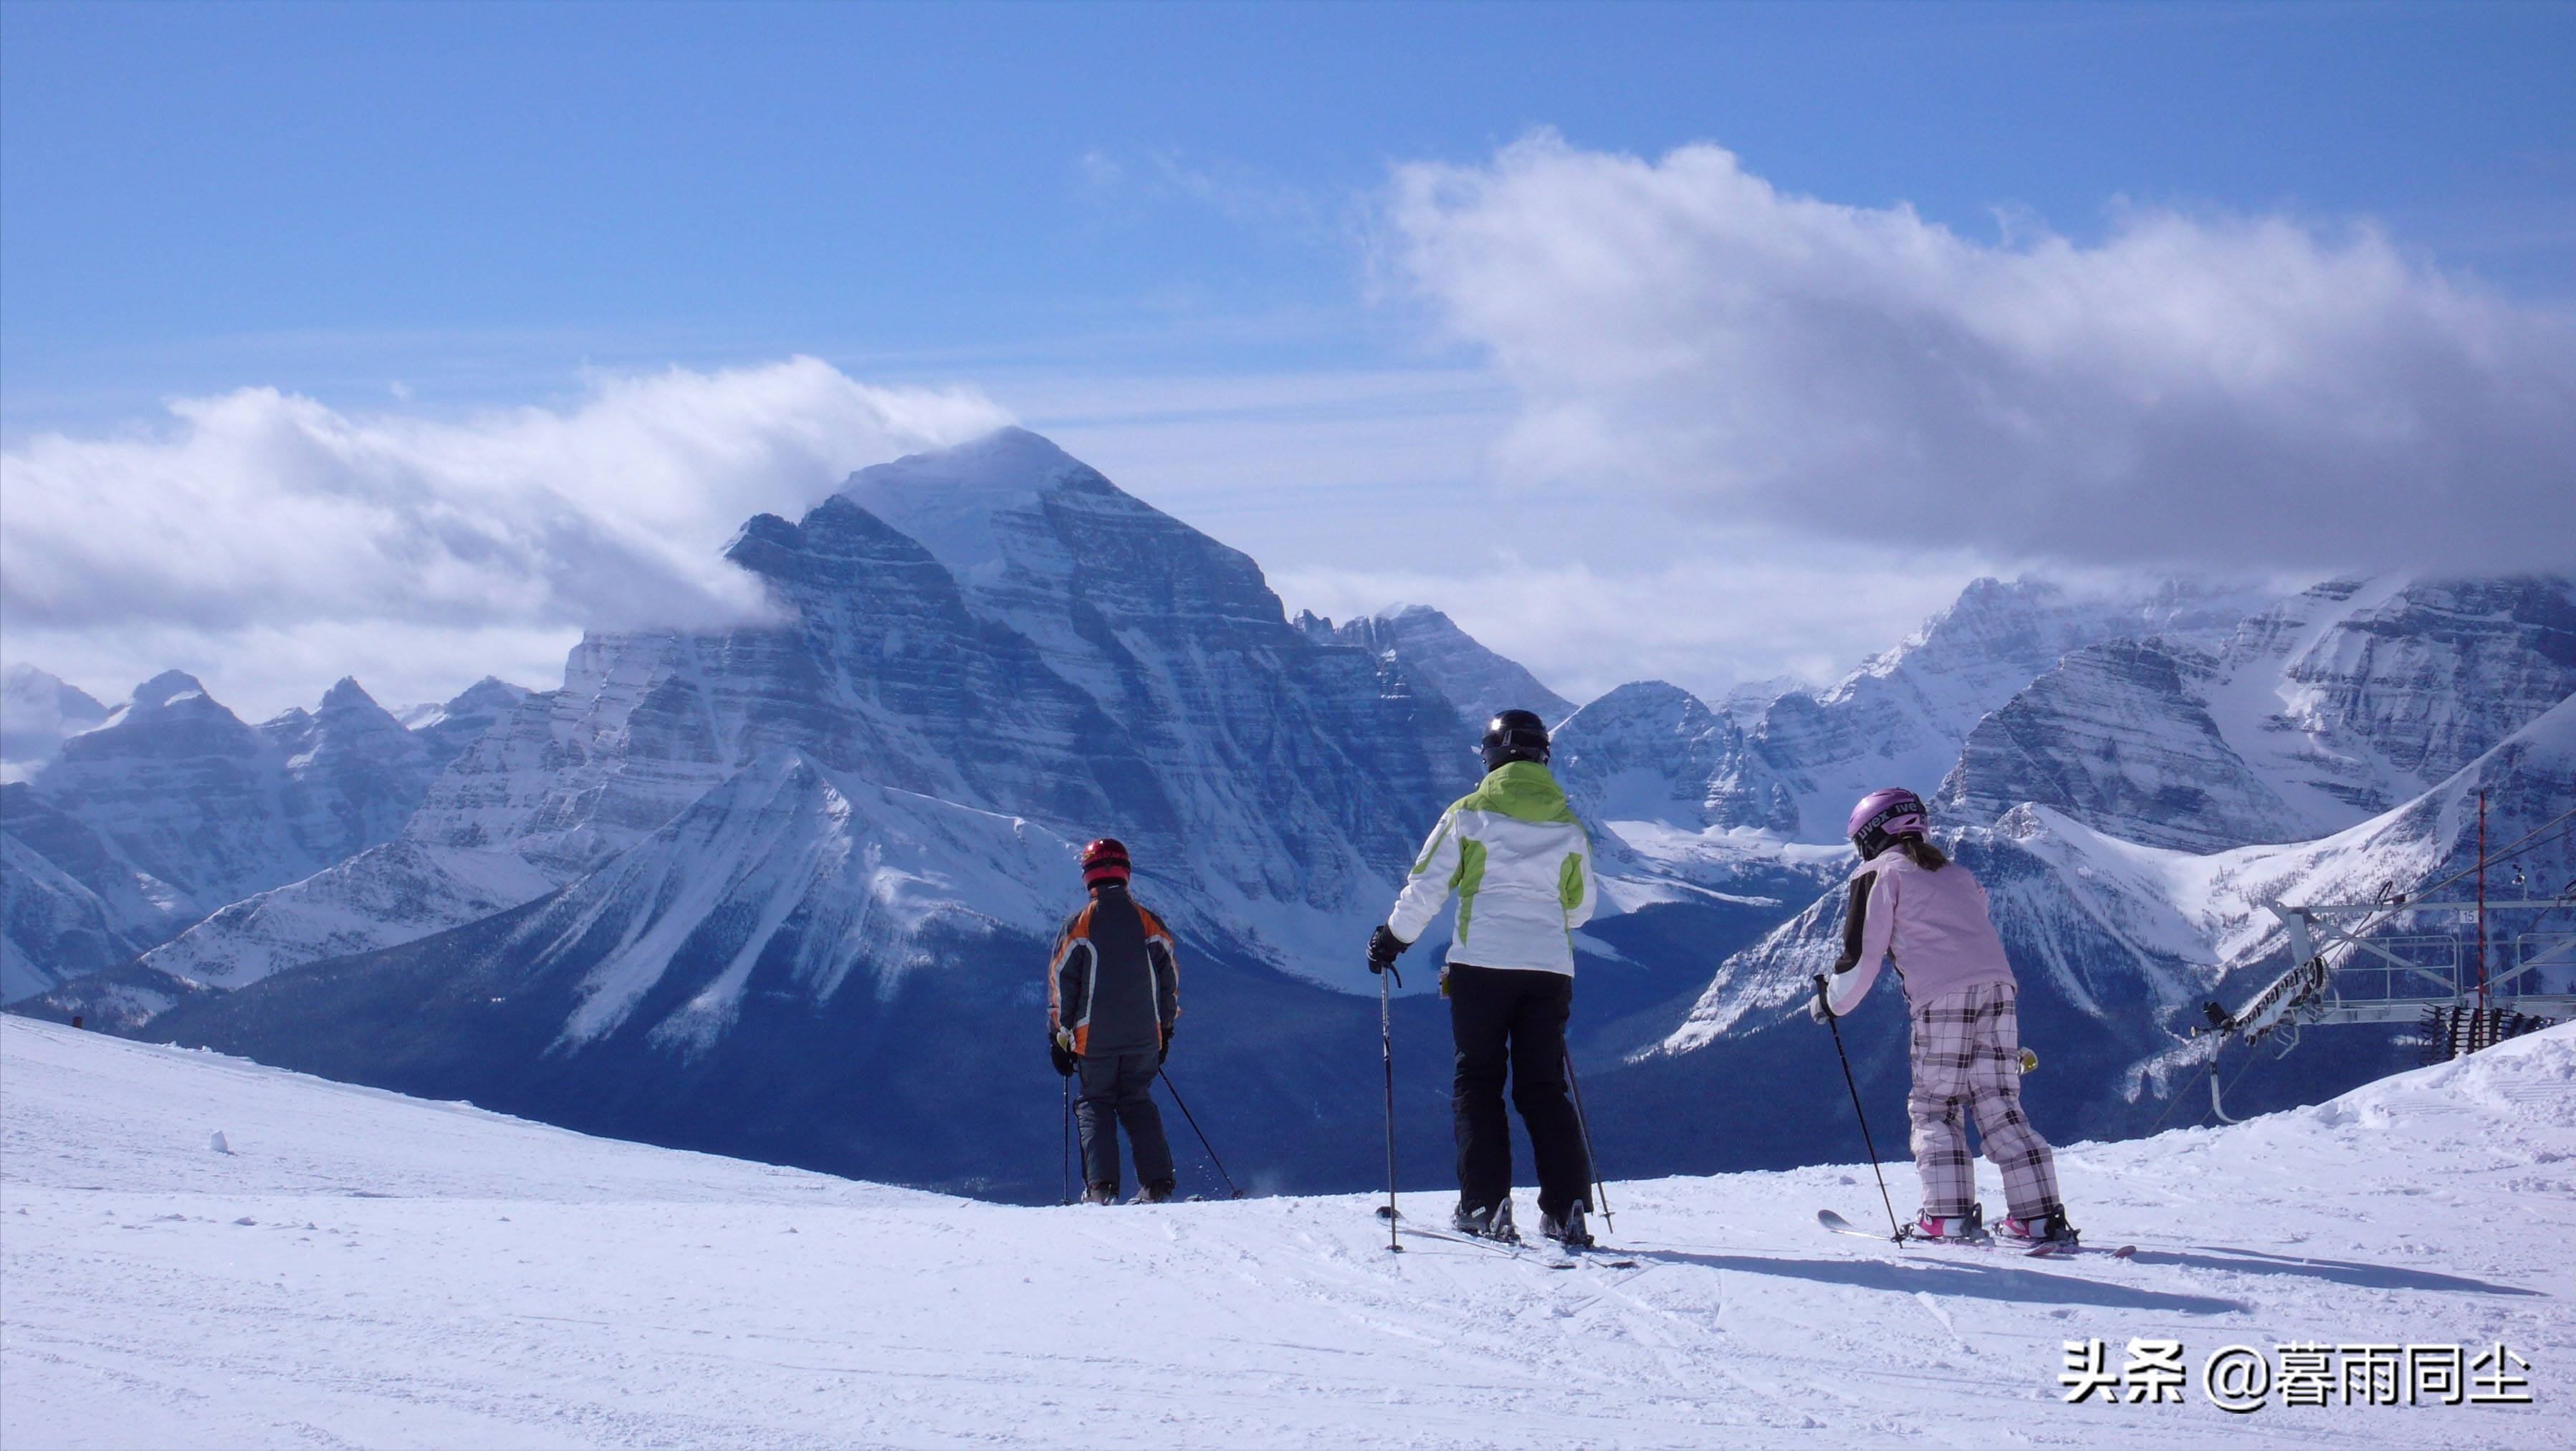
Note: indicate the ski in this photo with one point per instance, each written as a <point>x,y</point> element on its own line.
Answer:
<point>1593,1254</point>
<point>2059,1251</point>
<point>1525,1251</point>
<point>1507,1248</point>
<point>1828,1219</point>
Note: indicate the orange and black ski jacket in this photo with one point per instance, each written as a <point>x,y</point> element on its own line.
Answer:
<point>1114,985</point>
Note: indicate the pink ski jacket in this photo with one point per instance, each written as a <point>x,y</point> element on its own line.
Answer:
<point>1933,925</point>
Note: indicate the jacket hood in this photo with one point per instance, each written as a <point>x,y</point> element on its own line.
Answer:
<point>1522,790</point>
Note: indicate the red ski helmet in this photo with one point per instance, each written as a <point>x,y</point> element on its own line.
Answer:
<point>1884,815</point>
<point>1105,860</point>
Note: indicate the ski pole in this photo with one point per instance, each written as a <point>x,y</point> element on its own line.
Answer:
<point>1183,1105</point>
<point>1584,1121</point>
<point>1386,1053</point>
<point>1068,1138</point>
<point>1893,1232</point>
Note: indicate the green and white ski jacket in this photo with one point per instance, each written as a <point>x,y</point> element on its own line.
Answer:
<point>1521,865</point>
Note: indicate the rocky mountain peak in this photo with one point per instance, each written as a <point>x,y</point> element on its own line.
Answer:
<point>447,728</point>
<point>977,506</point>
<point>1429,647</point>
<point>348,697</point>
<point>1652,751</point>
<point>166,688</point>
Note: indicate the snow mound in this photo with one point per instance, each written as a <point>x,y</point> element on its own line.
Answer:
<point>2526,1083</point>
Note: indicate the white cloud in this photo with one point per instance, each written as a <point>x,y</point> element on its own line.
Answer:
<point>2211,392</point>
<point>1746,608</point>
<point>259,519</point>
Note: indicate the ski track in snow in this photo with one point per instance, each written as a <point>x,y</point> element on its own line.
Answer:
<point>367,1269</point>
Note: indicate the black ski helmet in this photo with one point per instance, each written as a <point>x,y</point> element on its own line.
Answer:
<point>1515,735</point>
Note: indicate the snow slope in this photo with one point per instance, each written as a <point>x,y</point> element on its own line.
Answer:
<point>352,1266</point>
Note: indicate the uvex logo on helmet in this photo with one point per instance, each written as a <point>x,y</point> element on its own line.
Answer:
<point>1884,815</point>
<point>1104,860</point>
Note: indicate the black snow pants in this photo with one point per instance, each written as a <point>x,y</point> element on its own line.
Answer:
<point>1512,1020</point>
<point>1116,1090</point>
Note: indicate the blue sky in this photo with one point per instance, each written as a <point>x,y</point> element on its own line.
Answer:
<point>1164,234</point>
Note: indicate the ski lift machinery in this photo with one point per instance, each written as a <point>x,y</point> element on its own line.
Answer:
<point>2343,969</point>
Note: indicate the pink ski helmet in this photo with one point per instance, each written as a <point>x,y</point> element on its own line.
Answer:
<point>1884,815</point>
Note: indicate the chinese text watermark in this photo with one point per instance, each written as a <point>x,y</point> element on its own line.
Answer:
<point>2244,1378</point>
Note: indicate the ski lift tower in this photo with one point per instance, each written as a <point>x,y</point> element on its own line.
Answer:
<point>2346,967</point>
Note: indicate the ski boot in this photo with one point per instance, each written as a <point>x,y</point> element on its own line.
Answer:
<point>1494,1223</point>
<point>1569,1231</point>
<point>1968,1228</point>
<point>1100,1194</point>
<point>2036,1230</point>
<point>1153,1191</point>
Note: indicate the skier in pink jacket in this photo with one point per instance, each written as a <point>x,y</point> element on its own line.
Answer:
<point>1914,906</point>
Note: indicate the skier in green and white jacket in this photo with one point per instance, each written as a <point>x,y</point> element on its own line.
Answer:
<point>1522,868</point>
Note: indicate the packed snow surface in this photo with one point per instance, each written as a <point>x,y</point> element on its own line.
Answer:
<point>203,1252</point>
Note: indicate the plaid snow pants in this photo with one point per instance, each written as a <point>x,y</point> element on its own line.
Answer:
<point>1967,1049</point>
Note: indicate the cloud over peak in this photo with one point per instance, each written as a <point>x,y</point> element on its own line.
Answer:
<point>2217,392</point>
<point>263,522</point>
<point>264,508</point>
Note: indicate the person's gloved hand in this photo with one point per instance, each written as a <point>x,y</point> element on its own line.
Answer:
<point>1063,1057</point>
<point>1168,1029</point>
<point>1384,948</point>
<point>1821,1009</point>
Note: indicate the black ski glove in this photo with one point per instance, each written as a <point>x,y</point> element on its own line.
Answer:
<point>1062,1056</point>
<point>1822,1009</point>
<point>1384,948</point>
<point>1167,1044</point>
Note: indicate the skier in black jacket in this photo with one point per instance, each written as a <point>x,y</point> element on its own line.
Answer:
<point>1113,997</point>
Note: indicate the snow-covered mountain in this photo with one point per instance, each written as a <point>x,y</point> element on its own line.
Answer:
<point>194,796</point>
<point>1051,649</point>
<point>37,712</point>
<point>1901,718</point>
<point>446,728</point>
<point>811,968</point>
<point>787,882</point>
<point>659,899</point>
<point>2317,714</point>
<point>58,923</point>
<point>717,854</point>
<point>1653,752</point>
<point>1790,768</point>
<point>1433,650</point>
<point>391,893</point>
<point>1706,794</point>
<point>172,805</point>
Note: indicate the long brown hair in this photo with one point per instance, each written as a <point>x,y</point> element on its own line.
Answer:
<point>1920,851</point>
